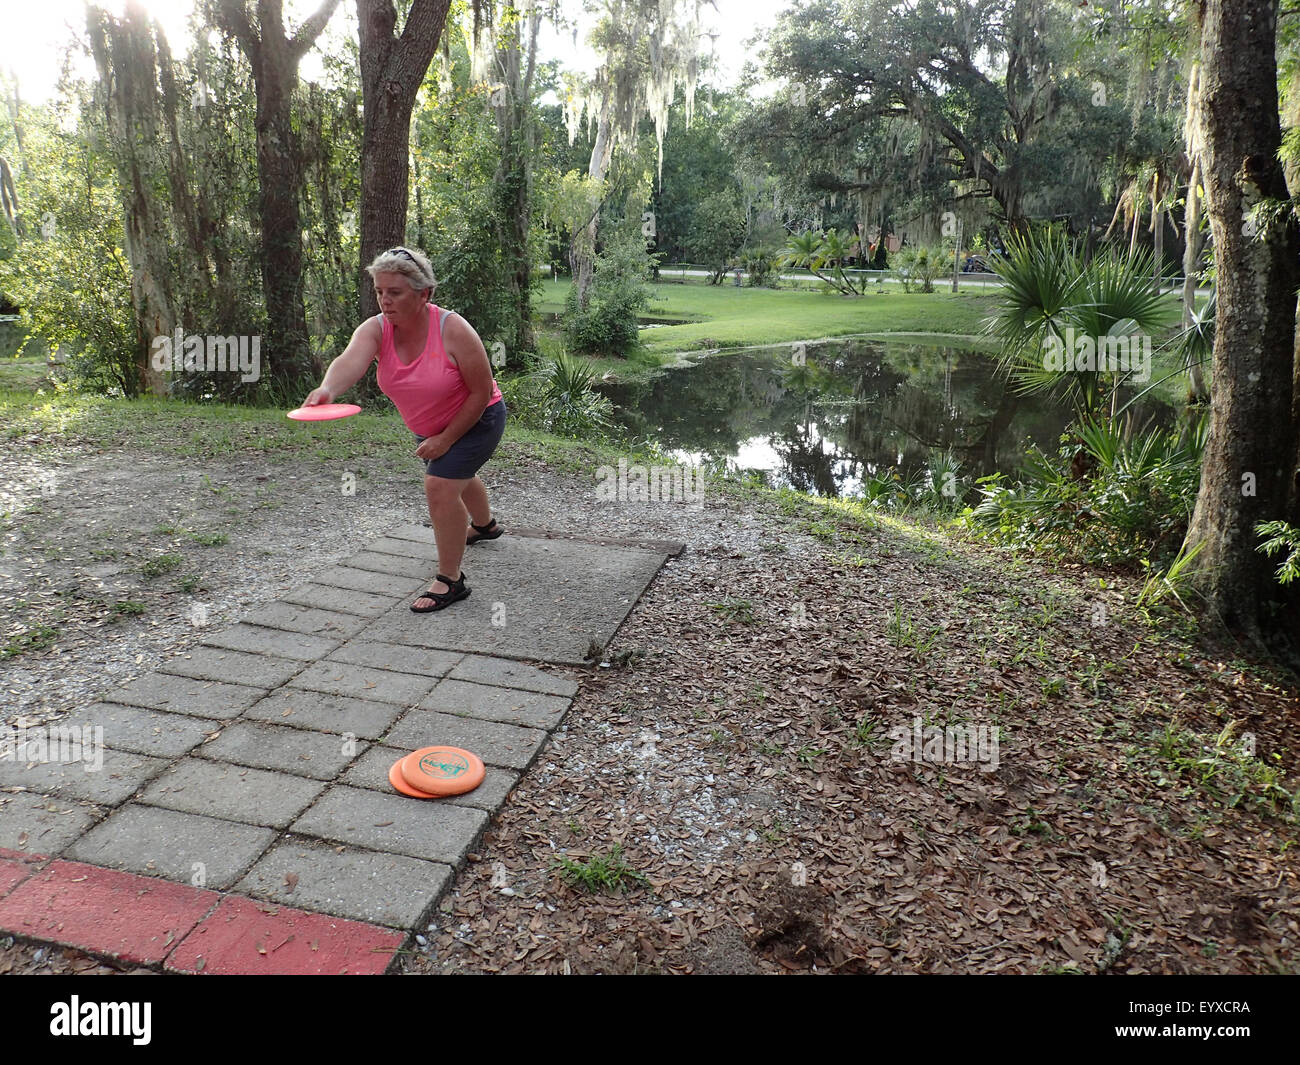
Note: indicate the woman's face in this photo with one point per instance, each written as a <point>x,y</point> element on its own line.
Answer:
<point>397,299</point>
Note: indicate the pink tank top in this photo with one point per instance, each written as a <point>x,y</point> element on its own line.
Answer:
<point>429,391</point>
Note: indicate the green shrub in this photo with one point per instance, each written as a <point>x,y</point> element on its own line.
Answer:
<point>1105,497</point>
<point>609,326</point>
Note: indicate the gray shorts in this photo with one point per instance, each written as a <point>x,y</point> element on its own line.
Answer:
<point>466,455</point>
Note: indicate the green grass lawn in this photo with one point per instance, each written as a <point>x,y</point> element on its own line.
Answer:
<point>723,316</point>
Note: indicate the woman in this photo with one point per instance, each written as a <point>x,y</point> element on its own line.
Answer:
<point>432,365</point>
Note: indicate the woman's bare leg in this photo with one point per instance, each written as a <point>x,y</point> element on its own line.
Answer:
<point>475,498</point>
<point>450,518</point>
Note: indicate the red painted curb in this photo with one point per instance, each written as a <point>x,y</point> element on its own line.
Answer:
<point>138,919</point>
<point>244,936</point>
<point>13,873</point>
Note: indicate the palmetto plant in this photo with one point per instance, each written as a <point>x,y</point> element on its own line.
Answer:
<point>816,251</point>
<point>572,406</point>
<point>1051,293</point>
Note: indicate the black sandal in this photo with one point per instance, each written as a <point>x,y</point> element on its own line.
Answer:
<point>442,599</point>
<point>483,533</point>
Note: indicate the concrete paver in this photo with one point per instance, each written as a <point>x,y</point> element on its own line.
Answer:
<point>365,885</point>
<point>530,709</point>
<point>397,657</point>
<point>363,682</point>
<point>104,911</point>
<point>213,663</point>
<point>309,754</point>
<point>303,708</point>
<point>257,639</point>
<point>493,741</point>
<point>394,824</point>
<point>38,824</point>
<point>328,622</point>
<point>232,792</point>
<point>338,600</point>
<point>187,848</point>
<point>135,728</point>
<point>121,774</point>
<point>186,695</point>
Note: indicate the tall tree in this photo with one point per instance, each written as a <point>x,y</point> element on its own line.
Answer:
<point>1253,449</point>
<point>392,68</point>
<point>647,47</point>
<point>274,56</point>
<point>127,56</point>
<point>513,55</point>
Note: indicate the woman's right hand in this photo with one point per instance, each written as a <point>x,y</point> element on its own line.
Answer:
<point>318,395</point>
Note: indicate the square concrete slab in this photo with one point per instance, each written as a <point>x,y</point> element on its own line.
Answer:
<point>37,824</point>
<point>427,550</point>
<point>134,728</point>
<point>362,580</point>
<point>340,600</point>
<point>232,792</point>
<point>278,642</point>
<point>494,742</point>
<point>530,709</point>
<point>212,663</point>
<point>291,750</point>
<point>371,771</point>
<point>187,848</point>
<point>394,565</point>
<point>186,695</point>
<point>300,708</point>
<point>363,682</point>
<point>548,600</point>
<point>436,832</point>
<point>388,889</point>
<point>505,673</point>
<point>397,657</point>
<point>329,623</point>
<point>119,776</point>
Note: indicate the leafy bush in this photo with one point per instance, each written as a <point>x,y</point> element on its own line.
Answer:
<point>609,325</point>
<point>921,264</point>
<point>559,397</point>
<point>1106,497</point>
<point>1283,536</point>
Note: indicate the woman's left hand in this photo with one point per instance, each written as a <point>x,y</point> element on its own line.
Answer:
<point>433,448</point>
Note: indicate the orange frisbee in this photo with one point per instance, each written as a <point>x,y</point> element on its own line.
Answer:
<point>395,779</point>
<point>442,770</point>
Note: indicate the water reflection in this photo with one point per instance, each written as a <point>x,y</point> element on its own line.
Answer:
<point>852,409</point>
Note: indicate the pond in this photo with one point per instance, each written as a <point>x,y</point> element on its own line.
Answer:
<point>853,409</point>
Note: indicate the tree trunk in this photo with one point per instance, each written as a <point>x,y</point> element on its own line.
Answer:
<point>274,59</point>
<point>1251,455</point>
<point>392,69</point>
<point>513,177</point>
<point>1193,244</point>
<point>126,59</point>
<point>582,255</point>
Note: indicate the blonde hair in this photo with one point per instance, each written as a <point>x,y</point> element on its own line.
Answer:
<point>408,262</point>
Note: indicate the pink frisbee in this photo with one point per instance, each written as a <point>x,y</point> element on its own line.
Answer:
<point>324,412</point>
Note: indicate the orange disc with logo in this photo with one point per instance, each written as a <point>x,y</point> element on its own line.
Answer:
<point>442,770</point>
<point>395,779</point>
